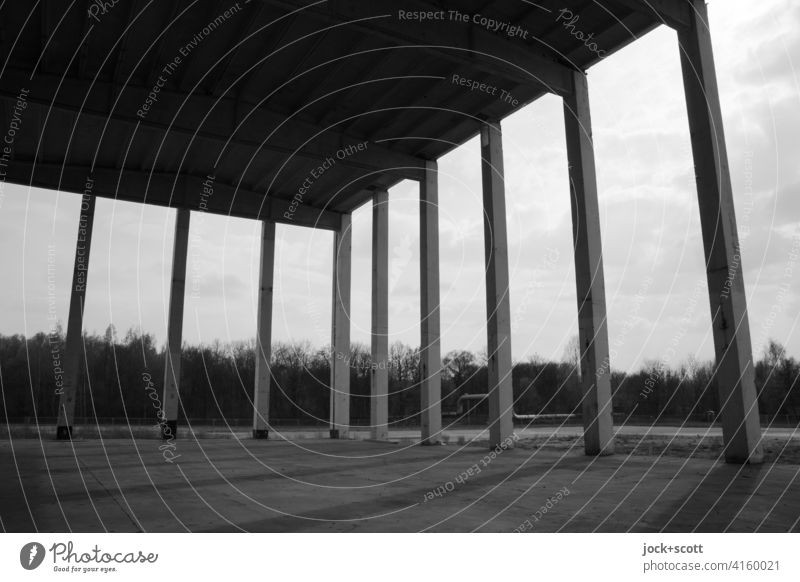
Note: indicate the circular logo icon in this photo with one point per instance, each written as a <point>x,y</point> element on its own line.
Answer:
<point>31,555</point>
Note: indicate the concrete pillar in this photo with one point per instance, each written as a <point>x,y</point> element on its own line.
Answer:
<point>264,332</point>
<point>379,401</point>
<point>734,371</point>
<point>172,365</point>
<point>430,349</point>
<point>74,340</point>
<point>592,323</point>
<point>498,311</point>
<point>340,332</point>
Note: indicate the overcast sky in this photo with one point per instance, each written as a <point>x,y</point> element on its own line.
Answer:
<point>654,269</point>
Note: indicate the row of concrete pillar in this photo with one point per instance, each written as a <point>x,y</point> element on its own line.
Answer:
<point>734,369</point>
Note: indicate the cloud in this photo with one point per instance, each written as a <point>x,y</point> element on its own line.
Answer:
<point>653,253</point>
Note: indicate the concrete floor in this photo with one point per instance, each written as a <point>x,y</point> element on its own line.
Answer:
<point>337,486</point>
<point>460,434</point>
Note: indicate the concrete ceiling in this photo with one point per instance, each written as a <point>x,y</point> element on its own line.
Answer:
<point>282,101</point>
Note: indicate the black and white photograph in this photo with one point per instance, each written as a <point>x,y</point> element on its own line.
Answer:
<point>402,268</point>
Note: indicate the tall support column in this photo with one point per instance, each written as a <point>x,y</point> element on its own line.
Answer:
<point>73,342</point>
<point>340,332</point>
<point>430,348</point>
<point>498,311</point>
<point>172,365</point>
<point>379,401</point>
<point>264,333</point>
<point>592,323</point>
<point>734,371</point>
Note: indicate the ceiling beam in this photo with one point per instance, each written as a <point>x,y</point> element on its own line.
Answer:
<point>179,77</point>
<point>44,38</point>
<point>622,33</point>
<point>351,197</point>
<point>207,118</point>
<point>463,44</point>
<point>674,13</point>
<point>272,43</point>
<point>122,49</point>
<point>331,76</point>
<point>217,79</point>
<point>158,60</point>
<point>181,191</point>
<point>83,51</point>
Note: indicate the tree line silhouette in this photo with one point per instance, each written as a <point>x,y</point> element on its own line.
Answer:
<point>217,382</point>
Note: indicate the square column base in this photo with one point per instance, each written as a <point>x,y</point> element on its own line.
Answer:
<point>169,430</point>
<point>261,433</point>
<point>606,451</point>
<point>381,435</point>
<point>63,433</point>
<point>431,442</point>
